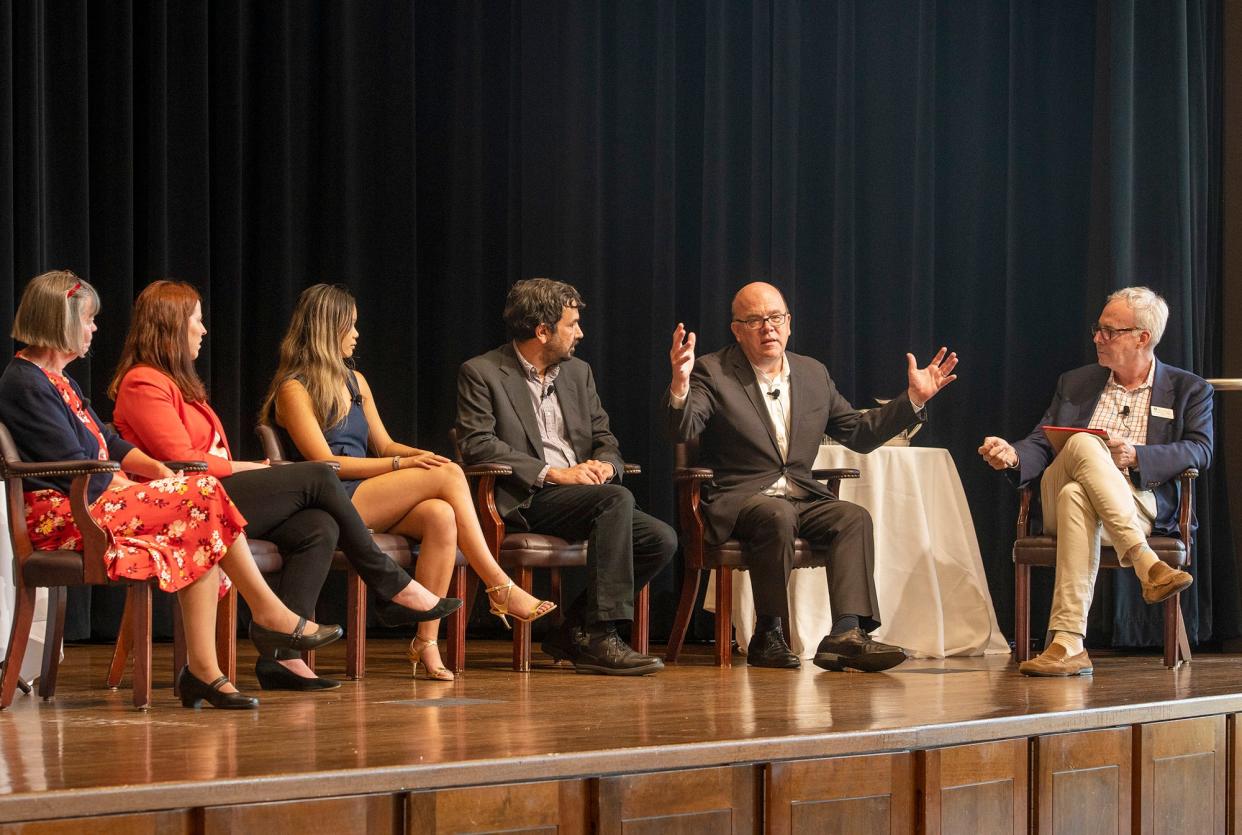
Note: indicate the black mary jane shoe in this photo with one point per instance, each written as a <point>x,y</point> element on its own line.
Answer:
<point>394,615</point>
<point>273,675</point>
<point>194,692</point>
<point>267,641</point>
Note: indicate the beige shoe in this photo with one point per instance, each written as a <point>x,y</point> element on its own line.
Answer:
<point>1163,582</point>
<point>1054,662</point>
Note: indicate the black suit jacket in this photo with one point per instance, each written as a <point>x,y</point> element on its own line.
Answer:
<point>725,411</point>
<point>496,423</point>
<point>1173,444</point>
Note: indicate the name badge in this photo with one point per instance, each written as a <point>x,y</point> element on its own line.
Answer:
<point>1161,412</point>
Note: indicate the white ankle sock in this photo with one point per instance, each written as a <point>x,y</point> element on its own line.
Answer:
<point>1070,641</point>
<point>1143,562</point>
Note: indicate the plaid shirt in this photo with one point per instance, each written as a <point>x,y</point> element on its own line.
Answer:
<point>1123,414</point>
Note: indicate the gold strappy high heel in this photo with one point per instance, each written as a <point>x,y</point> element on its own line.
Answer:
<point>501,608</point>
<point>416,655</point>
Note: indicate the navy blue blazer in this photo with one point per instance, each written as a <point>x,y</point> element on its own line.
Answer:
<point>1173,444</point>
<point>46,429</point>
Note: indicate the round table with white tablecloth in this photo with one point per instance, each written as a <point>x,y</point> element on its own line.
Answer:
<point>934,597</point>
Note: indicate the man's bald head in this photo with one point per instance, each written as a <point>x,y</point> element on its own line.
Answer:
<point>757,294</point>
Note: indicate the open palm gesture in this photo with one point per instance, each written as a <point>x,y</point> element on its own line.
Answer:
<point>925,382</point>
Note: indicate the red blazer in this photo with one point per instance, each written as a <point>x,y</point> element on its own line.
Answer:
<point>152,414</point>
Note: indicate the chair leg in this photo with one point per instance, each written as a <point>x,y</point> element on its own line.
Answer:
<point>685,610</point>
<point>1021,612</point>
<point>120,652</point>
<point>226,634</point>
<point>19,635</point>
<point>139,602</point>
<point>1176,643</point>
<point>356,617</point>
<point>521,631</point>
<point>180,655</point>
<point>57,596</point>
<point>641,631</point>
<point>456,641</point>
<point>724,617</point>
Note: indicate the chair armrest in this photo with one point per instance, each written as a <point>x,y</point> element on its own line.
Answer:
<point>1189,472</point>
<point>835,473</point>
<point>494,470</point>
<point>187,466</point>
<point>1024,512</point>
<point>631,469</point>
<point>693,474</point>
<point>46,469</point>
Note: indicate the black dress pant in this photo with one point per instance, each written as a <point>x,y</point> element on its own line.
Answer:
<point>625,547</point>
<point>305,511</point>
<point>767,527</point>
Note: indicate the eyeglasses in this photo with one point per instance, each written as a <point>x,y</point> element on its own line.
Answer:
<point>754,323</point>
<point>1108,333</point>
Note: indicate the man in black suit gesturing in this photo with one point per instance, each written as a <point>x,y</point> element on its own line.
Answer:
<point>759,413</point>
<point>532,405</point>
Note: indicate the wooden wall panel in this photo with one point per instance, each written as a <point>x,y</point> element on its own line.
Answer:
<point>1233,777</point>
<point>866,794</point>
<point>1180,776</point>
<point>549,807</point>
<point>698,801</point>
<point>1082,782</point>
<point>974,788</point>
<point>374,813</point>
<point>176,822</point>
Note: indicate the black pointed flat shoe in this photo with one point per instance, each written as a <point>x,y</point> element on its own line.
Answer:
<point>394,615</point>
<point>273,675</point>
<point>267,641</point>
<point>194,692</point>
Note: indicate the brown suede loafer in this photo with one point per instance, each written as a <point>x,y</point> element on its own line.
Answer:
<point>1054,662</point>
<point>1163,582</point>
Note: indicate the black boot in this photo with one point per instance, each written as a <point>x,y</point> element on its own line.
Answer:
<point>767,648</point>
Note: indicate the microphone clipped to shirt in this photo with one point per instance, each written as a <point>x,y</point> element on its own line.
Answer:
<point>548,392</point>
<point>775,394</point>
<point>1125,411</point>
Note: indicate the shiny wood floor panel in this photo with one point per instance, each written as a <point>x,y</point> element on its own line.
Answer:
<point>388,733</point>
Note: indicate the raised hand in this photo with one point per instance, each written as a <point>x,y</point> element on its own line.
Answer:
<point>999,453</point>
<point>681,357</point>
<point>925,382</point>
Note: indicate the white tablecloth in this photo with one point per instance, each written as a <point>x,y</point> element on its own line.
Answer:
<point>934,598</point>
<point>8,597</point>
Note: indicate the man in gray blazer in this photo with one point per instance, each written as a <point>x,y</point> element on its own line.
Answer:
<point>532,405</point>
<point>759,413</point>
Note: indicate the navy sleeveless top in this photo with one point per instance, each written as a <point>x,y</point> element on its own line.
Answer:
<point>349,437</point>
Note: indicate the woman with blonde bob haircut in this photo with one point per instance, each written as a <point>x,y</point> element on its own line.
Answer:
<point>161,406</point>
<point>180,530</point>
<point>327,410</point>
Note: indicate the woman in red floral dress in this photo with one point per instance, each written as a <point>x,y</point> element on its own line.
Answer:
<point>180,530</point>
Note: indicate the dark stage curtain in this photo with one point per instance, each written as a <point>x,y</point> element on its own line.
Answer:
<point>977,175</point>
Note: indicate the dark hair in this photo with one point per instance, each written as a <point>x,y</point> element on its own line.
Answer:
<point>538,301</point>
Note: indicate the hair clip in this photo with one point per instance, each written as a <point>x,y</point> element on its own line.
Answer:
<point>75,288</point>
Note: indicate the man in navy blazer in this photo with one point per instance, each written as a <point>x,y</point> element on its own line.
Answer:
<point>1158,421</point>
<point>759,413</point>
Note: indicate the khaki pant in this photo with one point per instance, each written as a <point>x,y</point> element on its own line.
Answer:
<point>1083,492</point>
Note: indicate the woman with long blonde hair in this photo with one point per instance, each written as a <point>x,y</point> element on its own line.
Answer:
<point>327,410</point>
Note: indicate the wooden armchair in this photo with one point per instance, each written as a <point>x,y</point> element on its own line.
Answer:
<point>522,552</point>
<point>404,552</point>
<point>56,570</point>
<point>724,558</point>
<point>1031,550</point>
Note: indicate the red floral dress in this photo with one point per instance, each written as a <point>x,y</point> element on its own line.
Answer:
<point>171,529</point>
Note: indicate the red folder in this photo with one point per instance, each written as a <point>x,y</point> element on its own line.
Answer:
<point>1058,435</point>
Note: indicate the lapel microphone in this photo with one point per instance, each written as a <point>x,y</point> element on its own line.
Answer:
<point>1125,411</point>
<point>774,394</point>
<point>551,390</point>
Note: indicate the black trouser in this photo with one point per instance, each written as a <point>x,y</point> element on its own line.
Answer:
<point>305,511</point>
<point>625,547</point>
<point>768,526</point>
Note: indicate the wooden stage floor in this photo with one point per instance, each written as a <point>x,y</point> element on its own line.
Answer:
<point>88,752</point>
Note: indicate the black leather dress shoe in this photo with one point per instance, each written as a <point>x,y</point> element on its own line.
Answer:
<point>606,654</point>
<point>564,642</point>
<point>194,691</point>
<point>855,650</point>
<point>273,675</point>
<point>267,641</point>
<point>768,649</point>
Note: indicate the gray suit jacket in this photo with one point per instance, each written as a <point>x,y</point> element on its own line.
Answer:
<point>496,423</point>
<point>725,411</point>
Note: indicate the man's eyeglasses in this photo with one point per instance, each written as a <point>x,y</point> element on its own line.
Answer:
<point>1108,333</point>
<point>754,323</point>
